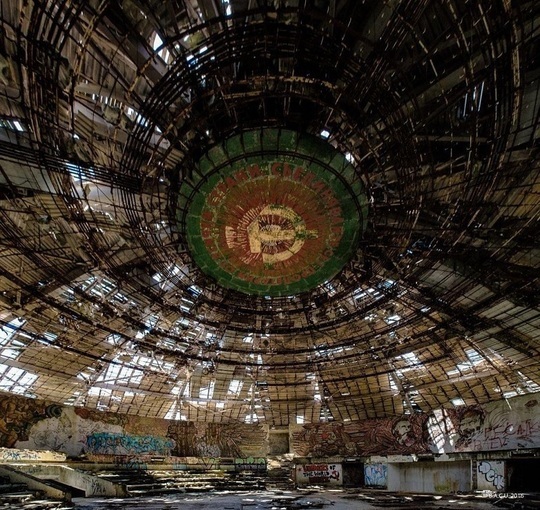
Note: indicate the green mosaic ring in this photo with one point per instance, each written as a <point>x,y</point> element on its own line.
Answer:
<point>272,212</point>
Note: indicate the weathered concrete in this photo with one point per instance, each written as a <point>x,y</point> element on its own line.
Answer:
<point>34,483</point>
<point>9,455</point>
<point>91,484</point>
<point>431,477</point>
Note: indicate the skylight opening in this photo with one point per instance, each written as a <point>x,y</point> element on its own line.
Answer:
<point>157,42</point>
<point>207,392</point>
<point>393,385</point>
<point>410,358</point>
<point>251,418</point>
<point>158,46</point>
<point>513,393</point>
<point>71,401</point>
<point>7,331</point>
<point>96,391</point>
<point>531,386</point>
<point>458,401</point>
<point>392,319</point>
<point>259,358</point>
<point>325,133</point>
<point>235,386</point>
<point>12,125</point>
<point>16,380</point>
<point>474,356</point>
<point>196,291</point>
<point>118,373</point>
<point>14,351</point>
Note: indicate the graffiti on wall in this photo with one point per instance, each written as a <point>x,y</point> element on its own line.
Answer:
<point>15,454</point>
<point>401,435</point>
<point>502,425</point>
<point>329,474</point>
<point>68,432</point>
<point>123,444</point>
<point>376,474</point>
<point>37,425</point>
<point>250,464</point>
<point>490,475</point>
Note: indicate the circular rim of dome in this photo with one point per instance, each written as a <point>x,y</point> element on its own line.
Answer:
<point>272,212</point>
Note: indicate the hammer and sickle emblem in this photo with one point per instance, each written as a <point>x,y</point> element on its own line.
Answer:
<point>291,230</point>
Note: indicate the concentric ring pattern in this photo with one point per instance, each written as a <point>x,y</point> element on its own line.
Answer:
<point>273,213</point>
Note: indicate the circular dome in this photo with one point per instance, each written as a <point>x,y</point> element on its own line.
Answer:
<point>272,212</point>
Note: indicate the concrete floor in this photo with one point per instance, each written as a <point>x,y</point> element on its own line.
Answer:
<point>329,500</point>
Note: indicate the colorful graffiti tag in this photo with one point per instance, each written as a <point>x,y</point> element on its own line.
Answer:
<point>38,425</point>
<point>376,474</point>
<point>490,475</point>
<point>250,464</point>
<point>122,444</point>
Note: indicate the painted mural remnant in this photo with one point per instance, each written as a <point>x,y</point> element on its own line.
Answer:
<point>270,223</point>
<point>327,474</point>
<point>123,444</point>
<point>504,425</point>
<point>490,475</point>
<point>510,424</point>
<point>404,435</point>
<point>376,474</point>
<point>215,440</point>
<point>323,440</point>
<point>102,417</point>
<point>18,415</point>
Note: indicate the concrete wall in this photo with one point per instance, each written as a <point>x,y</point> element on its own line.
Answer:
<point>33,483</point>
<point>36,425</point>
<point>319,474</point>
<point>491,475</point>
<point>91,485</point>
<point>10,455</point>
<point>434,477</point>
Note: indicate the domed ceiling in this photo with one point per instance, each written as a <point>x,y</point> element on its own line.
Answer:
<point>272,213</point>
<point>269,211</point>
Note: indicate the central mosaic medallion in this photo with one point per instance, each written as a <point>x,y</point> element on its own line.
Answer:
<point>272,213</point>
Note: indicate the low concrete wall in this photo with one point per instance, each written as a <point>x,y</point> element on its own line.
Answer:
<point>34,483</point>
<point>431,477</point>
<point>319,474</point>
<point>92,485</point>
<point>8,455</point>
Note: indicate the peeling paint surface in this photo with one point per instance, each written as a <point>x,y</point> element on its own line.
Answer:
<point>273,213</point>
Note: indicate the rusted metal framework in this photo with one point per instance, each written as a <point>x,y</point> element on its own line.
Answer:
<point>105,107</point>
